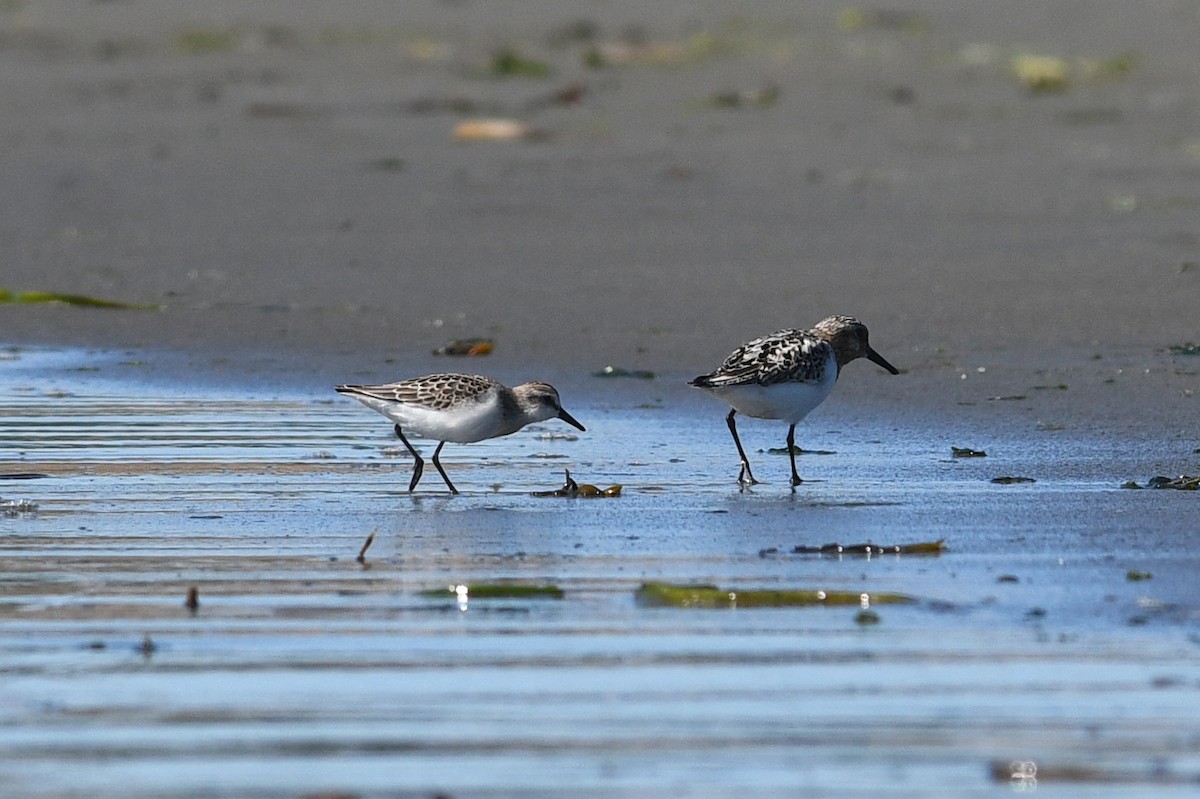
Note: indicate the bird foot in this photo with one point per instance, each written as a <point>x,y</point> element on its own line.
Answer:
<point>745,478</point>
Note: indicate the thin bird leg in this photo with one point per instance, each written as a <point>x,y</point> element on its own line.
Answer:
<point>418,464</point>
<point>442,471</point>
<point>744,475</point>
<point>791,442</point>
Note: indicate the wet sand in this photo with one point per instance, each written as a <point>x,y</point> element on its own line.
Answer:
<point>281,179</point>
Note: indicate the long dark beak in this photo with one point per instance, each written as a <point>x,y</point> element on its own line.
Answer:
<point>875,358</point>
<point>569,419</point>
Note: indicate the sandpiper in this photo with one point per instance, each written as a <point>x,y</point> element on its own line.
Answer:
<point>787,374</point>
<point>458,408</point>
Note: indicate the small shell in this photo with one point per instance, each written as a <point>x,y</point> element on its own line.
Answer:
<point>492,130</point>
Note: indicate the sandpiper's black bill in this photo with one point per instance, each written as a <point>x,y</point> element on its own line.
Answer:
<point>569,419</point>
<point>876,358</point>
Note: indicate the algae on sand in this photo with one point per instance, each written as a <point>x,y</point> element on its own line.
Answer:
<point>920,548</point>
<point>79,300</point>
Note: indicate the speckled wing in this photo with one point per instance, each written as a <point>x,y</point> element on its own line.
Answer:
<point>435,392</point>
<point>786,356</point>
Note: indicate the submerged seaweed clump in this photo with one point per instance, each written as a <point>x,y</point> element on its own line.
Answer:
<point>463,591</point>
<point>659,595</point>
<point>1182,483</point>
<point>967,452</point>
<point>923,548</point>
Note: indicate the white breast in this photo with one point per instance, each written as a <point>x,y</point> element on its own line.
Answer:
<point>789,402</point>
<point>462,424</point>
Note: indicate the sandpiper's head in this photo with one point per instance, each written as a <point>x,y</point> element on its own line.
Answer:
<point>540,401</point>
<point>848,337</point>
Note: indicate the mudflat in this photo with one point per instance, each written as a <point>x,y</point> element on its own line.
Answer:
<point>285,177</point>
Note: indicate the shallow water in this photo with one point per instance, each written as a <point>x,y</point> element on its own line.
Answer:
<point>303,670</point>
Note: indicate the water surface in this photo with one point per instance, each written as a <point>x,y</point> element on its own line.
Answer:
<point>303,670</point>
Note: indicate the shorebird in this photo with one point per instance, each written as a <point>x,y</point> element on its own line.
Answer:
<point>458,408</point>
<point>785,375</point>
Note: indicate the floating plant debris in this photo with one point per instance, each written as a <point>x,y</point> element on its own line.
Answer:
<point>1009,480</point>
<point>79,300</point>
<point>1134,576</point>
<point>660,595</point>
<point>22,476</point>
<point>362,553</point>
<point>465,591</point>
<point>616,371</point>
<point>507,62</point>
<point>1184,349</point>
<point>572,489</point>
<point>1042,74</point>
<point>923,548</point>
<point>467,346</point>
<point>967,452</point>
<point>1182,483</point>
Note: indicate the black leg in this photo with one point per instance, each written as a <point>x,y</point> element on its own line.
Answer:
<point>791,442</point>
<point>442,471</point>
<point>744,476</point>
<point>418,464</point>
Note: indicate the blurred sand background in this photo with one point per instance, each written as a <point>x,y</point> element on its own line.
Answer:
<point>283,179</point>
